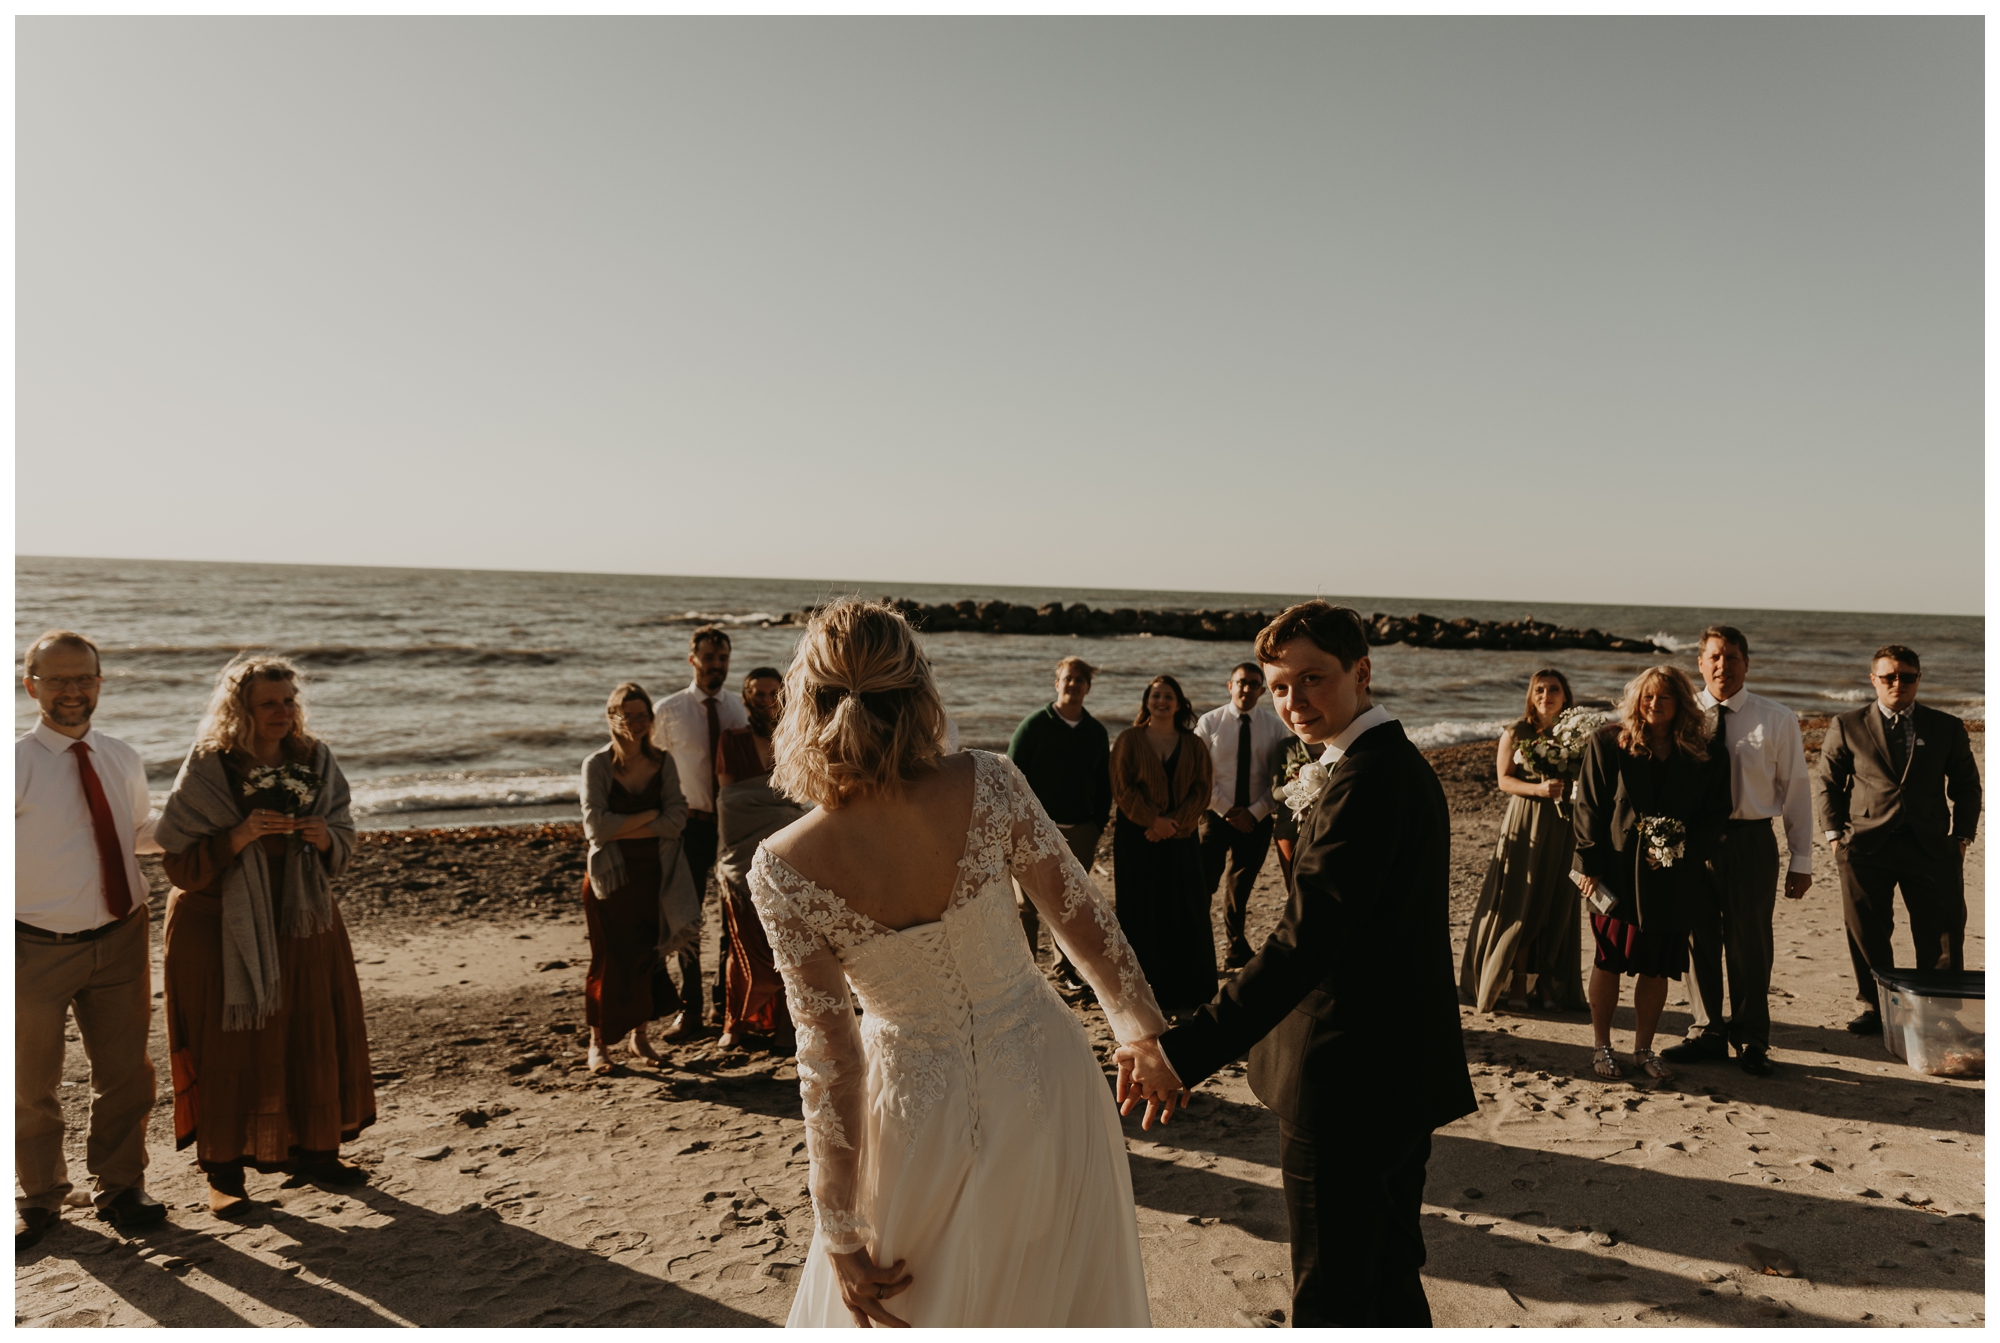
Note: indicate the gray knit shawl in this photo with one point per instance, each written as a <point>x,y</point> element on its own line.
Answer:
<point>205,803</point>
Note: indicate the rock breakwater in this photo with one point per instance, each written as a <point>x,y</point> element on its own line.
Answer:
<point>1421,630</point>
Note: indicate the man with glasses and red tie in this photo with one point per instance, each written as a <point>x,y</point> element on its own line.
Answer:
<point>1898,793</point>
<point>81,813</point>
<point>687,725</point>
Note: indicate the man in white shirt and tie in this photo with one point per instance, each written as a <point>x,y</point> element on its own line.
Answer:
<point>688,725</point>
<point>81,813</point>
<point>1738,896</point>
<point>1236,828</point>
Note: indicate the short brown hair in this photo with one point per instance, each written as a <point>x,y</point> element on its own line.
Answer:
<point>707,634</point>
<point>1333,629</point>
<point>1077,665</point>
<point>1246,666</point>
<point>58,639</point>
<point>1729,634</point>
<point>862,714</point>
<point>1896,653</point>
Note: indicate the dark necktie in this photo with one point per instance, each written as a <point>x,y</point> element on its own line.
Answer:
<point>714,737</point>
<point>1243,760</point>
<point>110,853</point>
<point>1899,743</point>
<point>1721,743</point>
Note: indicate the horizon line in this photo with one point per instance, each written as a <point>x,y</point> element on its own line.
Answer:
<point>766,578</point>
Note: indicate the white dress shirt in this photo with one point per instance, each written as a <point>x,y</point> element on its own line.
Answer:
<point>680,728</point>
<point>1220,728</point>
<point>1336,750</point>
<point>1767,768</point>
<point>58,881</point>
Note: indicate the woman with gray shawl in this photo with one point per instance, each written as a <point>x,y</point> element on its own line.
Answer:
<point>639,901</point>
<point>265,1028</point>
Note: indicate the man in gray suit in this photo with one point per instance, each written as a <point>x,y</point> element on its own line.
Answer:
<point>1885,776</point>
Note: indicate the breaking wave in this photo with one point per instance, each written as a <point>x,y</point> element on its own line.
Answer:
<point>1434,735</point>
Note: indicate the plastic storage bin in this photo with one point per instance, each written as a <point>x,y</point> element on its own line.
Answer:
<point>1935,1020</point>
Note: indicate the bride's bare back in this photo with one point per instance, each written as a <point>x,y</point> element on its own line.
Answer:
<point>890,857</point>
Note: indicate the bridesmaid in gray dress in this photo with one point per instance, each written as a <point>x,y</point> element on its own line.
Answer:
<point>1528,923</point>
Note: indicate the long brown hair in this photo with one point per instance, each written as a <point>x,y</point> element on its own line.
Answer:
<point>1690,730</point>
<point>1528,706</point>
<point>1183,716</point>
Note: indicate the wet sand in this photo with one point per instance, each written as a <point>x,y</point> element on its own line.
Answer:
<point>509,1187</point>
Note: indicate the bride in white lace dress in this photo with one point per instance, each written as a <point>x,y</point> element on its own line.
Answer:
<point>968,1166</point>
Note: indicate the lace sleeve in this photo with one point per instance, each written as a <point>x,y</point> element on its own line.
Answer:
<point>832,1071</point>
<point>1077,913</point>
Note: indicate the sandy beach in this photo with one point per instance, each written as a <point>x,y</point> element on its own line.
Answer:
<point>509,1187</point>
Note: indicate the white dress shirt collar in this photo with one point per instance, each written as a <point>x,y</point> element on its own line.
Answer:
<point>1336,750</point>
<point>1735,702</point>
<point>56,743</point>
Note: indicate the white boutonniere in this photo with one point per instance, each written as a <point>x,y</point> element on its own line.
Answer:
<point>1306,787</point>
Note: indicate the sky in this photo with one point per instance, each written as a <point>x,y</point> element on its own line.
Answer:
<point>1681,311</point>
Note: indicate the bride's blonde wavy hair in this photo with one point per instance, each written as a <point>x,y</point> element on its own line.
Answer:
<point>225,724</point>
<point>861,713</point>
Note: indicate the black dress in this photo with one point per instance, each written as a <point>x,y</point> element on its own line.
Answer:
<point>1164,909</point>
<point>1645,932</point>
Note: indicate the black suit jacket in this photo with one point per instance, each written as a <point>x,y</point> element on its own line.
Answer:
<point>1860,796</point>
<point>1350,1012</point>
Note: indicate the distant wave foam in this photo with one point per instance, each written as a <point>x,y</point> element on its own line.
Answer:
<point>1673,643</point>
<point>1435,735</point>
<point>1847,696</point>
<point>462,793</point>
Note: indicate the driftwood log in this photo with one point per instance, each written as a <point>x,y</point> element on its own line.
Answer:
<point>1424,631</point>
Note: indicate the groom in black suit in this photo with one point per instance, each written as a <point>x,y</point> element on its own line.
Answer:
<point>1349,1012</point>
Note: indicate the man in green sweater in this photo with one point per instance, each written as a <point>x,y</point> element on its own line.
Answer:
<point>1065,754</point>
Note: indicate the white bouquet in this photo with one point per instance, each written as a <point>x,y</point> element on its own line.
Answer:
<point>1557,751</point>
<point>288,788</point>
<point>1666,840</point>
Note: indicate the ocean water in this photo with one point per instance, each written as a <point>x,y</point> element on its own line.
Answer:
<point>469,695</point>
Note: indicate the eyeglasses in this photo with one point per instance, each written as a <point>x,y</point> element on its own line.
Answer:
<point>62,683</point>
<point>1900,678</point>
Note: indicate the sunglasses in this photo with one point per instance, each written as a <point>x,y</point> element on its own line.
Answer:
<point>1900,678</point>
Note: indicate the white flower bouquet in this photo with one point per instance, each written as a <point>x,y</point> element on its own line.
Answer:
<point>1666,840</point>
<point>1557,751</point>
<point>289,788</point>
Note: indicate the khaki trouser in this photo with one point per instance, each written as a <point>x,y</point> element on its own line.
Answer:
<point>108,983</point>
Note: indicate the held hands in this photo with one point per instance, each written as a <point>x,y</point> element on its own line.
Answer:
<point>260,823</point>
<point>1241,818</point>
<point>1144,1073</point>
<point>1161,828</point>
<point>313,830</point>
<point>864,1287</point>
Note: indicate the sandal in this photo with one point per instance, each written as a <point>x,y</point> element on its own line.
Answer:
<point>598,1062</point>
<point>1604,1065</point>
<point>1654,1067</point>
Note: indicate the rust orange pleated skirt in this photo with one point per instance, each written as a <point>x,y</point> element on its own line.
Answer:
<point>299,1083</point>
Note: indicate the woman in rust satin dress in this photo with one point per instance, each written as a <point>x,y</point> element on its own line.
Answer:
<point>265,1027</point>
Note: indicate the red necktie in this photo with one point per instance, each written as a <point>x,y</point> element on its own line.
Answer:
<point>110,853</point>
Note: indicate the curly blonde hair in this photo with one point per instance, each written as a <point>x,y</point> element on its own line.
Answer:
<point>1690,726</point>
<point>225,724</point>
<point>860,713</point>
